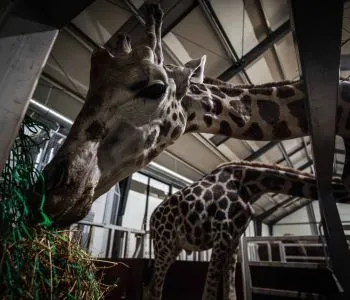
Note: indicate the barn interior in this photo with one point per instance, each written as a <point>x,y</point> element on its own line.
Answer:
<point>45,57</point>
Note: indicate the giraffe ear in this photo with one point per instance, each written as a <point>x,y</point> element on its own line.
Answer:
<point>197,68</point>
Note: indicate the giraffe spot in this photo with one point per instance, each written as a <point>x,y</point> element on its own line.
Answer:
<point>297,109</point>
<point>96,131</point>
<point>225,128</point>
<point>281,130</point>
<point>223,203</point>
<point>197,191</point>
<point>193,218</point>
<point>273,182</point>
<point>182,119</point>
<point>190,198</point>
<point>285,92</point>
<point>231,185</point>
<point>241,221</point>
<point>226,236</point>
<point>254,188</point>
<point>172,104</point>
<point>168,225</point>
<point>166,210</point>
<point>215,91</point>
<point>247,101</point>
<point>211,178</point>
<point>208,120</point>
<point>199,206</point>
<point>207,226</point>
<point>191,117</point>
<point>150,139</point>
<point>208,195</point>
<point>174,117</point>
<point>238,174</point>
<point>194,89</point>
<point>202,87</point>
<point>205,184</point>
<point>187,191</point>
<point>231,92</point>
<point>152,154</point>
<point>237,119</point>
<point>269,111</point>
<point>220,215</point>
<point>251,175</point>
<point>168,110</point>
<point>234,207</point>
<point>164,128</point>
<point>232,195</point>
<point>184,208</point>
<point>191,128</point>
<point>224,176</point>
<point>217,107</point>
<point>218,191</point>
<point>206,104</point>
<point>166,234</point>
<point>266,91</point>
<point>176,132</point>
<point>212,209</point>
<point>254,132</point>
<point>244,194</point>
<point>173,200</point>
<point>171,218</point>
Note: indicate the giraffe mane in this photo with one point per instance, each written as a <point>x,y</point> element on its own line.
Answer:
<point>215,81</point>
<point>253,164</point>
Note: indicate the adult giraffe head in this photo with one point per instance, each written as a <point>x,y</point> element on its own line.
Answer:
<point>133,110</point>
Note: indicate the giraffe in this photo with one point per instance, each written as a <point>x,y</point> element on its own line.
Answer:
<point>214,212</point>
<point>137,106</point>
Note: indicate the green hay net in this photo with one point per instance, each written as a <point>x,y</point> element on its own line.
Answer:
<point>37,262</point>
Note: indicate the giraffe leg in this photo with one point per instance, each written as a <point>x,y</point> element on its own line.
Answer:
<point>161,265</point>
<point>229,274</point>
<point>215,268</point>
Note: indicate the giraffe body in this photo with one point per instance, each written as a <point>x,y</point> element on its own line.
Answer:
<point>137,106</point>
<point>214,212</point>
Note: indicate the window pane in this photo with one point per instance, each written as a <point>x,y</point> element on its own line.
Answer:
<point>157,193</point>
<point>136,202</point>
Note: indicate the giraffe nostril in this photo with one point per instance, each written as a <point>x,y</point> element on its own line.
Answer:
<point>58,176</point>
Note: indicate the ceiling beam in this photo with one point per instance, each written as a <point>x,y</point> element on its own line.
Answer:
<point>51,13</point>
<point>257,51</point>
<point>262,30</point>
<point>174,12</point>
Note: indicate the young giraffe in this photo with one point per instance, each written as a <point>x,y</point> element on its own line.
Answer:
<point>137,106</point>
<point>214,212</point>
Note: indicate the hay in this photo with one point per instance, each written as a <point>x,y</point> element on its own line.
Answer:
<point>48,265</point>
<point>38,262</point>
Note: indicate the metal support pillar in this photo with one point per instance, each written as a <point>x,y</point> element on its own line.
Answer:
<point>28,30</point>
<point>317,28</point>
<point>22,58</point>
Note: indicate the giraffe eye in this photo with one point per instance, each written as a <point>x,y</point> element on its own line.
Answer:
<point>154,91</point>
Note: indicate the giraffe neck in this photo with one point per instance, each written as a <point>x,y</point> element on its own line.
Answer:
<point>272,111</point>
<point>255,179</point>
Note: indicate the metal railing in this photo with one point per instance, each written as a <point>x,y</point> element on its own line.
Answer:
<point>113,241</point>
